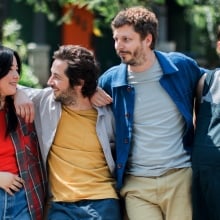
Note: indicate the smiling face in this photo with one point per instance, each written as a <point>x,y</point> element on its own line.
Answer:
<point>8,83</point>
<point>59,82</point>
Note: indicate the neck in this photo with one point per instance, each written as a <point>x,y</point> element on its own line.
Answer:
<point>146,64</point>
<point>2,102</point>
<point>80,104</point>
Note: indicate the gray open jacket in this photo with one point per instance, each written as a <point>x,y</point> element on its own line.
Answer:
<point>47,116</point>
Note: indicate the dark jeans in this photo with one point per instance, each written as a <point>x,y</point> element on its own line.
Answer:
<point>206,193</point>
<point>103,209</point>
<point>206,184</point>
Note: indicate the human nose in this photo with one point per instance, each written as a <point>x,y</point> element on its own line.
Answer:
<point>118,45</point>
<point>16,74</point>
<point>50,81</point>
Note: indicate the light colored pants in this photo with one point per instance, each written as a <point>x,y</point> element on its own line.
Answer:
<point>159,198</point>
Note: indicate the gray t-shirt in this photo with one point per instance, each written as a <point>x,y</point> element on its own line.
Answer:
<point>158,127</point>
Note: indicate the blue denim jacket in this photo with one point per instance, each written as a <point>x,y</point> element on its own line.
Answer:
<point>179,79</point>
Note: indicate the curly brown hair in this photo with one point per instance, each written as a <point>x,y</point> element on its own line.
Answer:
<point>141,19</point>
<point>82,65</point>
<point>218,33</point>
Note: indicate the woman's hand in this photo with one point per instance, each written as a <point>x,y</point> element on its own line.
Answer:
<point>24,106</point>
<point>10,182</point>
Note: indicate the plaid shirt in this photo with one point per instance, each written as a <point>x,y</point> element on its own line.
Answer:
<point>30,168</point>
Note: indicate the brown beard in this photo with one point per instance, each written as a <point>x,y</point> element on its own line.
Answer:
<point>68,97</point>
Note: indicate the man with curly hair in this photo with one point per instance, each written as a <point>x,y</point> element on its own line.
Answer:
<point>152,100</point>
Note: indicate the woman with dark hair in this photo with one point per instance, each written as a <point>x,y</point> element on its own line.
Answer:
<point>22,176</point>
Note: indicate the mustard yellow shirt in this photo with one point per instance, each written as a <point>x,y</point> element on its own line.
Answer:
<point>77,166</point>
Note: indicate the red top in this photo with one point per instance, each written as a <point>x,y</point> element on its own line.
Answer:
<point>8,161</point>
<point>23,145</point>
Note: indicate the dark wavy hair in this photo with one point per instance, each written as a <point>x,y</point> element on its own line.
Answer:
<point>218,32</point>
<point>82,65</point>
<point>142,20</point>
<point>6,61</point>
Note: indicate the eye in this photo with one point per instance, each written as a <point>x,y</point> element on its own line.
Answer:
<point>14,68</point>
<point>126,39</point>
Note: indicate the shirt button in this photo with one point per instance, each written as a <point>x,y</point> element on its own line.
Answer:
<point>126,140</point>
<point>119,166</point>
<point>127,115</point>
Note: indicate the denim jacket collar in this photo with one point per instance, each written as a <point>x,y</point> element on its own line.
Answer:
<point>168,67</point>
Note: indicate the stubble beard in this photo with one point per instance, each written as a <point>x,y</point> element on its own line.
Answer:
<point>67,97</point>
<point>136,59</point>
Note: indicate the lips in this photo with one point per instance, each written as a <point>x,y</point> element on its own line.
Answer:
<point>13,84</point>
<point>122,52</point>
<point>55,91</point>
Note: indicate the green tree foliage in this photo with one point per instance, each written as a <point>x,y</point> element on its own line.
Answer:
<point>104,9</point>
<point>203,14</point>
<point>11,38</point>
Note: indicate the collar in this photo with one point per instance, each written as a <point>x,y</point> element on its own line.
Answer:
<point>167,65</point>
